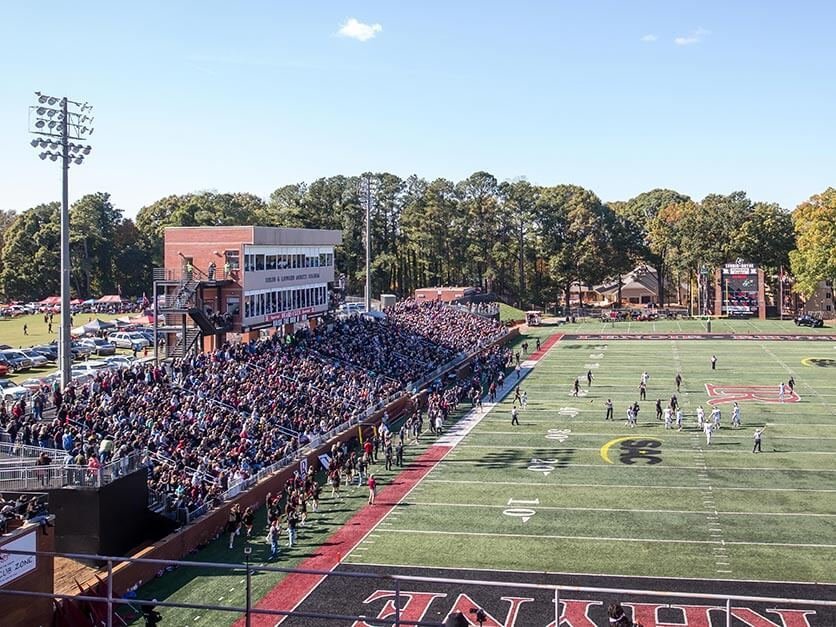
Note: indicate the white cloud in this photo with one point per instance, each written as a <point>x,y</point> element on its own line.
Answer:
<point>355,29</point>
<point>694,38</point>
<point>649,38</point>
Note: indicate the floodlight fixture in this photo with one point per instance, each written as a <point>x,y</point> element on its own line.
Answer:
<point>57,126</point>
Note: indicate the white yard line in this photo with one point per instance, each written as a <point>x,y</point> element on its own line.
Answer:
<point>667,450</point>
<point>598,435</point>
<point>657,468</point>
<point>617,509</point>
<point>623,486</point>
<point>572,574</point>
<point>539,536</point>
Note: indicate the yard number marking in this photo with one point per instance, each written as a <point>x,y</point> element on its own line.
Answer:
<point>523,513</point>
<point>561,435</point>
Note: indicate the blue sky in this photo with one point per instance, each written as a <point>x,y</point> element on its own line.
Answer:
<point>617,96</point>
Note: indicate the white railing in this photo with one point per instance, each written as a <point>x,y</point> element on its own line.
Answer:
<point>15,449</point>
<point>32,477</point>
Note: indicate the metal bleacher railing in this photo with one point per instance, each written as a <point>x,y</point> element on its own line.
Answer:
<point>28,476</point>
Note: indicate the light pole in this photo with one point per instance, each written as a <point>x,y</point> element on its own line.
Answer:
<point>248,611</point>
<point>366,193</point>
<point>56,121</point>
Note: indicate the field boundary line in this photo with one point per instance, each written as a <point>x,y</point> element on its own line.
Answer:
<point>609,575</point>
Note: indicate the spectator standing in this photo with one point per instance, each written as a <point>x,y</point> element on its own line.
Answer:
<point>248,518</point>
<point>372,489</point>
<point>233,523</point>
<point>389,453</point>
<point>292,521</point>
<point>273,535</point>
<point>399,453</point>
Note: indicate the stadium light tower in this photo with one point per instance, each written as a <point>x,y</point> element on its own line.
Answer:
<point>57,123</point>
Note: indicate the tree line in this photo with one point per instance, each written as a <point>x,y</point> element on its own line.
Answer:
<point>525,242</point>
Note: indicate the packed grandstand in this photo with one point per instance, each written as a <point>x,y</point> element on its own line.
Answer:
<point>207,424</point>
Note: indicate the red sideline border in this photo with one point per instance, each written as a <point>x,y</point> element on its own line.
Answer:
<point>289,593</point>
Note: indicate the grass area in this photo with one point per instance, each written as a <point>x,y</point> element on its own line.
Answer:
<point>718,325</point>
<point>516,498</point>
<point>11,333</point>
<point>509,312</point>
<point>490,505</point>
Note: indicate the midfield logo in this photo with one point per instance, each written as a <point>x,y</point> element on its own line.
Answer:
<point>722,394</point>
<point>512,611</point>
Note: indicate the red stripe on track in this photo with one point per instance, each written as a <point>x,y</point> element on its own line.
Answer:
<point>545,346</point>
<point>294,588</point>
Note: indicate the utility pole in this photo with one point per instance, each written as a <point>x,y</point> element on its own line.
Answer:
<point>57,121</point>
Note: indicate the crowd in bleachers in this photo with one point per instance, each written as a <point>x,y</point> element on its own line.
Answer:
<point>444,325</point>
<point>209,421</point>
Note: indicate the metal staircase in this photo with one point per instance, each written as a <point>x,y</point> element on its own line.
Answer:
<point>185,343</point>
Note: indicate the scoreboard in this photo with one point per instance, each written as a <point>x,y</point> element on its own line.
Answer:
<point>740,289</point>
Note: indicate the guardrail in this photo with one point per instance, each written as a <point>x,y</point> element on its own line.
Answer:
<point>33,477</point>
<point>13,449</point>
<point>108,598</point>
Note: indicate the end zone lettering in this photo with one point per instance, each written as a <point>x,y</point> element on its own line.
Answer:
<point>720,394</point>
<point>511,612</point>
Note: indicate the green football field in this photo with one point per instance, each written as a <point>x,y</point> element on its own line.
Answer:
<point>718,512</point>
<point>567,491</point>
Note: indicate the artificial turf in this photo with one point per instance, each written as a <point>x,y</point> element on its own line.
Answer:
<point>774,514</point>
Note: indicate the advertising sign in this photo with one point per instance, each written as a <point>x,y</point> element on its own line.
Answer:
<point>13,566</point>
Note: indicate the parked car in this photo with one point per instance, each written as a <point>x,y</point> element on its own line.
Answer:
<point>11,391</point>
<point>352,308</point>
<point>90,367</point>
<point>99,346</point>
<point>38,360</point>
<point>77,376</point>
<point>4,370</point>
<point>808,320</point>
<point>131,340</point>
<point>16,360</point>
<point>50,351</point>
<point>79,351</point>
<point>33,384</point>
<point>119,361</point>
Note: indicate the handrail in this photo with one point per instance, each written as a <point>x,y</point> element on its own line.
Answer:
<point>27,450</point>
